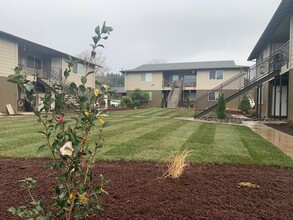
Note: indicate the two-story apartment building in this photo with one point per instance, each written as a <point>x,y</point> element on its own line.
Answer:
<point>175,82</point>
<point>42,64</point>
<point>274,50</point>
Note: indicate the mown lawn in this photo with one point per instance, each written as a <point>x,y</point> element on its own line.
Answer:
<point>154,134</point>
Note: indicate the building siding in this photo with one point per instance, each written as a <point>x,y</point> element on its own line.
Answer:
<point>290,96</point>
<point>291,43</point>
<point>10,94</point>
<point>74,77</point>
<point>233,104</point>
<point>155,100</point>
<point>133,81</point>
<point>204,83</point>
<point>8,57</point>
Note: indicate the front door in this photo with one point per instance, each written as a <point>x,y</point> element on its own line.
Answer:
<point>283,101</point>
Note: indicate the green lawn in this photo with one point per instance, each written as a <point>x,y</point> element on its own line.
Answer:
<point>154,134</point>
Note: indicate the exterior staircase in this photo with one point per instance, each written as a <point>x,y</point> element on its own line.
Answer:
<point>246,80</point>
<point>48,76</point>
<point>175,96</point>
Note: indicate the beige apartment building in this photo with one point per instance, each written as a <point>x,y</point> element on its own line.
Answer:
<point>174,83</point>
<point>42,64</point>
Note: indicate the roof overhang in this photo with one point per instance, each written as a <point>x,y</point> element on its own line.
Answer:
<point>42,49</point>
<point>284,9</point>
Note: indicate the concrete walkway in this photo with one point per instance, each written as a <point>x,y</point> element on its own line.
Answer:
<point>280,139</point>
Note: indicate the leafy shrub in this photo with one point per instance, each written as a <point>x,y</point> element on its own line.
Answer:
<point>163,102</point>
<point>221,108</point>
<point>127,102</point>
<point>66,138</point>
<point>244,104</point>
<point>139,97</point>
<point>187,102</point>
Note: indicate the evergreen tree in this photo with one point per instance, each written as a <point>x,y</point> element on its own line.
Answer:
<point>221,108</point>
<point>244,104</point>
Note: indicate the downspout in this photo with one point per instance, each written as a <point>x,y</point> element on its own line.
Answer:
<point>280,104</point>
<point>275,96</point>
<point>260,99</point>
<point>257,101</point>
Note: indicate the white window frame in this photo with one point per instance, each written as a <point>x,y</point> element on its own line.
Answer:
<point>78,68</point>
<point>216,95</point>
<point>146,77</point>
<point>217,73</point>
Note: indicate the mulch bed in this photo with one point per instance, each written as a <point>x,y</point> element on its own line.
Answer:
<point>137,190</point>
<point>284,127</point>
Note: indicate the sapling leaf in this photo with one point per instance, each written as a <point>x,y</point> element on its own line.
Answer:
<point>97,30</point>
<point>41,148</point>
<point>95,39</point>
<point>90,72</point>
<point>12,210</point>
<point>83,80</point>
<point>93,54</point>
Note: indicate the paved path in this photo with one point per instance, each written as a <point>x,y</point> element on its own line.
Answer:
<point>280,139</point>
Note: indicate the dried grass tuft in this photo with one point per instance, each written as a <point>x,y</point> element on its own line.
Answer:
<point>177,164</point>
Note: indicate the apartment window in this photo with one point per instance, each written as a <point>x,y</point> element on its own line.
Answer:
<point>216,74</point>
<point>213,96</point>
<point>74,68</point>
<point>146,77</point>
<point>78,68</point>
<point>33,62</point>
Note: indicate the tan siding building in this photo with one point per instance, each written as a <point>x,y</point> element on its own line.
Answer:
<point>274,55</point>
<point>42,64</point>
<point>192,80</point>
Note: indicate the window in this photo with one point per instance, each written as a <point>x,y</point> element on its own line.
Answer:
<point>216,74</point>
<point>146,77</point>
<point>78,68</point>
<point>33,62</point>
<point>189,80</point>
<point>74,69</point>
<point>213,96</point>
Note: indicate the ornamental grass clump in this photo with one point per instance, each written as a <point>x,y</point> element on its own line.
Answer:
<point>177,165</point>
<point>66,138</point>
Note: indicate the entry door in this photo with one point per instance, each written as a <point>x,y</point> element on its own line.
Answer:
<point>56,72</point>
<point>283,101</point>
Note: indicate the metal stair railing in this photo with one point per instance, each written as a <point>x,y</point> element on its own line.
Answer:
<point>249,78</point>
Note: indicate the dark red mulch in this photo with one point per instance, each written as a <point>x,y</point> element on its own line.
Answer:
<point>137,190</point>
<point>283,127</point>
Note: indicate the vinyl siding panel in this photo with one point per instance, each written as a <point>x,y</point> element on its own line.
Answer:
<point>204,83</point>
<point>156,98</point>
<point>8,94</point>
<point>291,43</point>
<point>233,104</point>
<point>74,77</point>
<point>8,57</point>
<point>290,96</point>
<point>133,81</point>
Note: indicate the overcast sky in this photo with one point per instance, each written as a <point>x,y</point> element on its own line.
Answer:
<point>144,30</point>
